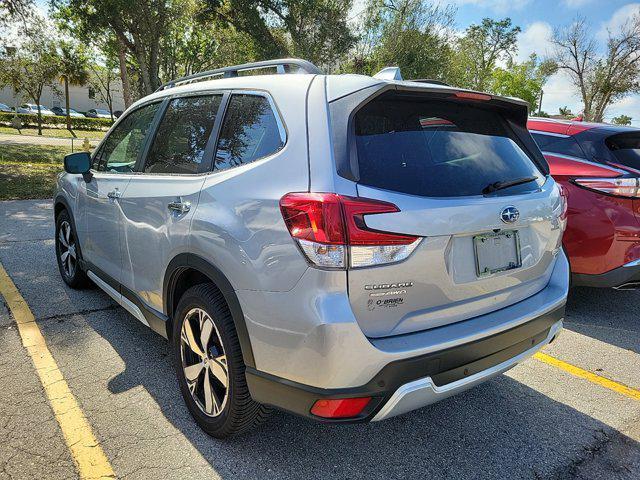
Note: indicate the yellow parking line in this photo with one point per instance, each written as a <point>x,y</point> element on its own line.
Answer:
<point>592,377</point>
<point>87,454</point>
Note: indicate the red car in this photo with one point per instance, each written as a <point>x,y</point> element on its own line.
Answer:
<point>599,167</point>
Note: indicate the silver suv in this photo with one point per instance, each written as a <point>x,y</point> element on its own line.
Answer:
<point>343,247</point>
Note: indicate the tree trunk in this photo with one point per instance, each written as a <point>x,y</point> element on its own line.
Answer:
<point>124,75</point>
<point>144,73</point>
<point>66,101</point>
<point>39,117</point>
<point>153,65</point>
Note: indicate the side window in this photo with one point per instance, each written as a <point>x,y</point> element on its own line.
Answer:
<point>120,150</point>
<point>249,132</point>
<point>182,137</point>
<point>561,145</point>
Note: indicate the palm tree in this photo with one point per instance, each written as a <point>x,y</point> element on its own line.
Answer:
<point>73,70</point>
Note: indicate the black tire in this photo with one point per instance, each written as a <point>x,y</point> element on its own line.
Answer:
<point>238,412</point>
<point>69,266</point>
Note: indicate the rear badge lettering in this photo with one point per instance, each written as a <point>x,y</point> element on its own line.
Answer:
<point>389,302</point>
<point>388,286</point>
<point>384,294</point>
<point>393,290</point>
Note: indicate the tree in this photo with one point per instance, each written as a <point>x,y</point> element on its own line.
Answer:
<point>313,29</point>
<point>565,112</point>
<point>137,25</point>
<point>523,80</point>
<point>479,50</point>
<point>73,70</point>
<point>192,47</point>
<point>102,79</point>
<point>15,10</point>
<point>601,80</point>
<point>621,120</point>
<point>32,67</point>
<point>412,34</point>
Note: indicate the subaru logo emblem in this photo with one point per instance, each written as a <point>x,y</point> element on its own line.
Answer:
<point>510,215</point>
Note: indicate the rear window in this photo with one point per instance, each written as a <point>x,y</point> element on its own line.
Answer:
<point>625,147</point>
<point>250,131</point>
<point>438,148</point>
<point>563,145</point>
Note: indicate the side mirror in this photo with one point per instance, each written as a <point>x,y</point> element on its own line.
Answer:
<point>78,163</point>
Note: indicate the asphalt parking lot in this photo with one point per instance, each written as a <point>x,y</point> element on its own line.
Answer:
<point>536,421</point>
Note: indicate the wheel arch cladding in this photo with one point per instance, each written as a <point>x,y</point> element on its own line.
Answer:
<point>60,203</point>
<point>186,270</point>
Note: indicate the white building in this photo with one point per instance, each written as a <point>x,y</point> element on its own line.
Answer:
<point>81,98</point>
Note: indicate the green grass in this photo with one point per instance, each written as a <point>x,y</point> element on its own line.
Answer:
<point>29,171</point>
<point>55,132</point>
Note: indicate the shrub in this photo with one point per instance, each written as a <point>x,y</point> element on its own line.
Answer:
<point>50,121</point>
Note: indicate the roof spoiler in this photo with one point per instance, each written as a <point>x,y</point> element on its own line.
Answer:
<point>389,73</point>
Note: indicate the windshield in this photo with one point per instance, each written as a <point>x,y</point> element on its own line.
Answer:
<point>625,147</point>
<point>439,149</point>
<point>103,112</point>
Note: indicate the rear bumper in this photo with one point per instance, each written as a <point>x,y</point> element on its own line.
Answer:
<point>624,277</point>
<point>411,383</point>
<point>425,391</point>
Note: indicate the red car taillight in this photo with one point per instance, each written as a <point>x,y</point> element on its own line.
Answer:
<point>564,199</point>
<point>618,187</point>
<point>331,227</point>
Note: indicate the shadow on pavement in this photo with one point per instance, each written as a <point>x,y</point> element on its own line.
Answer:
<point>502,429</point>
<point>611,316</point>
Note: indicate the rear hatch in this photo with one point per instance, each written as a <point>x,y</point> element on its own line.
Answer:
<point>463,173</point>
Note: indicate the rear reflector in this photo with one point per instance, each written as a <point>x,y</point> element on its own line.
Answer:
<point>340,408</point>
<point>618,187</point>
<point>329,227</point>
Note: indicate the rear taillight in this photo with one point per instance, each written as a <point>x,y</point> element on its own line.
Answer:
<point>618,187</point>
<point>332,233</point>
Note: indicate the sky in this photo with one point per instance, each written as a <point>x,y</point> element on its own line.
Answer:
<point>538,18</point>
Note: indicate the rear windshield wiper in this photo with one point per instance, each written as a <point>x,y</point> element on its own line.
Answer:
<point>495,186</point>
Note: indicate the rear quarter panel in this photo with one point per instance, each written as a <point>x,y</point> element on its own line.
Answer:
<point>602,231</point>
<point>238,226</point>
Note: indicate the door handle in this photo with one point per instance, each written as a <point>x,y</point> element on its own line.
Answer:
<point>114,194</point>
<point>179,206</point>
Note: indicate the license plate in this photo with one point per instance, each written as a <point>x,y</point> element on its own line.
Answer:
<point>497,252</point>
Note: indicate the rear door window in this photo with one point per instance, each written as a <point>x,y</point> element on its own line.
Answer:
<point>250,131</point>
<point>438,148</point>
<point>180,144</point>
<point>625,147</point>
<point>560,144</point>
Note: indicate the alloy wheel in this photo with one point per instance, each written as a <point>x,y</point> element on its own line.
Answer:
<point>67,249</point>
<point>204,362</point>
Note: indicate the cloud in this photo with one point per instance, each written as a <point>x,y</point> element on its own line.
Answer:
<point>559,91</point>
<point>535,38</point>
<point>618,19</point>
<point>576,3</point>
<point>498,6</point>
<point>627,106</point>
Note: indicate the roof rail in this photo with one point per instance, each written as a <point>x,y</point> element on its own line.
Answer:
<point>428,80</point>
<point>281,65</point>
